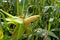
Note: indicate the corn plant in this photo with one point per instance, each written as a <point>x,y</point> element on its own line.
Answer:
<point>29,20</point>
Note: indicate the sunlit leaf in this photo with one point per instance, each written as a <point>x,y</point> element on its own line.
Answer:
<point>1,34</point>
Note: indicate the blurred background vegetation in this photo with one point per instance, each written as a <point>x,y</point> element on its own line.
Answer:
<point>47,27</point>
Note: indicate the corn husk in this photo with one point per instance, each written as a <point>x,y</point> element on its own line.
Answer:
<point>31,19</point>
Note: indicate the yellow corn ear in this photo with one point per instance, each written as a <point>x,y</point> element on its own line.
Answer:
<point>31,19</point>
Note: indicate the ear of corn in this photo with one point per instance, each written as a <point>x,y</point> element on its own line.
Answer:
<point>31,19</point>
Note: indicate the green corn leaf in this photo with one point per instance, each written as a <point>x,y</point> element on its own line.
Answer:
<point>42,33</point>
<point>9,15</point>
<point>18,32</point>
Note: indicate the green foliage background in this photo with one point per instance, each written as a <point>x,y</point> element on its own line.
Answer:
<point>47,27</point>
